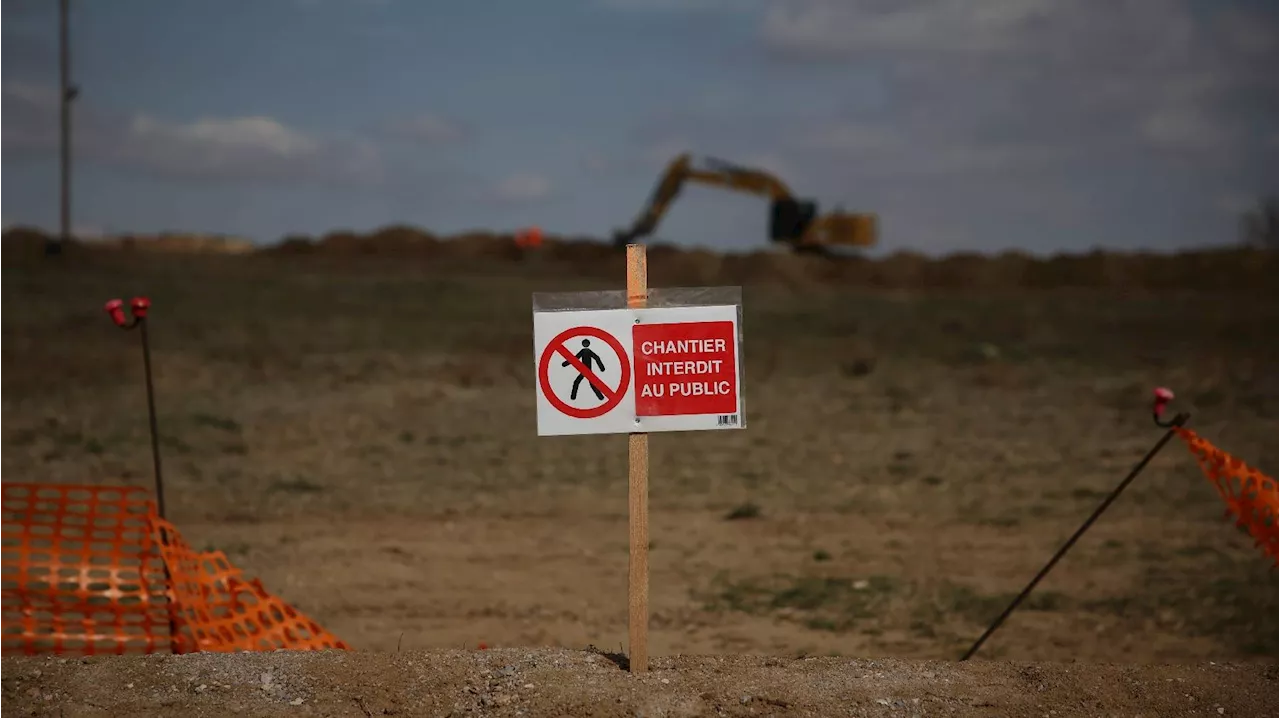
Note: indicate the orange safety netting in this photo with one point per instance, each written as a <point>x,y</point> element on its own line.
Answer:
<point>80,573</point>
<point>1251,496</point>
<point>93,570</point>
<point>218,610</point>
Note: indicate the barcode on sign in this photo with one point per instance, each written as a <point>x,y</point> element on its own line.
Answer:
<point>727,420</point>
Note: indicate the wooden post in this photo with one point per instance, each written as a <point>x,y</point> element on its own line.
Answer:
<point>638,495</point>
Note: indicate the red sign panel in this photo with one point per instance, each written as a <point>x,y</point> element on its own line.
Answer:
<point>685,368</point>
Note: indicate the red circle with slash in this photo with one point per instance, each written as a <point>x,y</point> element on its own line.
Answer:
<point>612,397</point>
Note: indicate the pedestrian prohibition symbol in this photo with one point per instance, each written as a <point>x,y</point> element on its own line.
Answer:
<point>585,361</point>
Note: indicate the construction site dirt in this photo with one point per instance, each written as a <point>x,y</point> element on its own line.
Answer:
<point>355,426</point>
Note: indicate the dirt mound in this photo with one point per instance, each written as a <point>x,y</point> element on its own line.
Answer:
<point>20,242</point>
<point>1232,269</point>
<point>548,682</point>
<point>578,250</point>
<point>1228,269</point>
<point>23,242</point>
<point>185,243</point>
<point>394,240</point>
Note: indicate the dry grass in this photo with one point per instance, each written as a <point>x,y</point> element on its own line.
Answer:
<point>361,431</point>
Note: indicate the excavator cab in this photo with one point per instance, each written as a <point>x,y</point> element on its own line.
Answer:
<point>789,219</point>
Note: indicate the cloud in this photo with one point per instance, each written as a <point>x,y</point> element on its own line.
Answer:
<point>679,6</point>
<point>719,122</point>
<point>802,151</point>
<point>767,162</point>
<point>241,148</point>
<point>1246,30</point>
<point>523,187</point>
<point>22,9</point>
<point>231,149</point>
<point>1174,75</point>
<point>1235,203</point>
<point>29,124</point>
<point>850,137</point>
<point>27,53</point>
<point>842,28</point>
<point>963,121</point>
<point>428,129</point>
<point>647,157</point>
<point>1185,127</point>
<point>1139,37</point>
<point>596,162</point>
<point>358,3</point>
<point>886,152</point>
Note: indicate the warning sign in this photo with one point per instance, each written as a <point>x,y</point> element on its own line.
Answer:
<point>685,368</point>
<point>616,371</point>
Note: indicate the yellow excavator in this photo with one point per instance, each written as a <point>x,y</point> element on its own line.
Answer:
<point>792,221</point>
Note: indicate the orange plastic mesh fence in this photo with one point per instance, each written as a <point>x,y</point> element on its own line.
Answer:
<point>1250,495</point>
<point>80,574</point>
<point>93,570</point>
<point>218,610</point>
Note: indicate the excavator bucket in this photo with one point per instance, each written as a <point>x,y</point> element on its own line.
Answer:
<point>845,229</point>
<point>789,219</point>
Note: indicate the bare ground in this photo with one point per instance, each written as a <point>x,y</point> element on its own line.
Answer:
<point>548,682</point>
<point>360,434</point>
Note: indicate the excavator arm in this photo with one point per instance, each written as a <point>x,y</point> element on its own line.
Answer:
<point>708,171</point>
<point>791,220</point>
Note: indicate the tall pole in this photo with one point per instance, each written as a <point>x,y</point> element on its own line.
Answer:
<point>65,95</point>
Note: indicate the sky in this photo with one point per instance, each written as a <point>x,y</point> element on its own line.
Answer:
<point>966,125</point>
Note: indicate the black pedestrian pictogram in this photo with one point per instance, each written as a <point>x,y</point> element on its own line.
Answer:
<point>559,346</point>
<point>586,356</point>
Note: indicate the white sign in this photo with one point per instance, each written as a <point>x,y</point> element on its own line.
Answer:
<point>619,371</point>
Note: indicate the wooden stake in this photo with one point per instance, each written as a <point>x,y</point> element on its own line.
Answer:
<point>638,494</point>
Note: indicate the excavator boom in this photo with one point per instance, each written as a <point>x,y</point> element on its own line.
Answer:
<point>709,171</point>
<point>793,221</point>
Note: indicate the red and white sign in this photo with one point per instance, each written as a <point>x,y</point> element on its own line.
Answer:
<point>685,368</point>
<point>638,370</point>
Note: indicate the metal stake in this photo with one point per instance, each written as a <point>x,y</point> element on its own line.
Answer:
<point>139,307</point>
<point>1177,422</point>
<point>151,411</point>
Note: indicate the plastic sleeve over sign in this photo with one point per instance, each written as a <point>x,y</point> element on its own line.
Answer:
<point>658,298</point>
<point>617,298</point>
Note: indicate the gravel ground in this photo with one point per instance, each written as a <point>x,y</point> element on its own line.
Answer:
<point>519,682</point>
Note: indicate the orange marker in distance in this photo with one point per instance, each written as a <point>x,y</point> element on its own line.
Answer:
<point>530,238</point>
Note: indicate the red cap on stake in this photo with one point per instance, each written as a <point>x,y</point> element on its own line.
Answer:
<point>140,305</point>
<point>115,309</point>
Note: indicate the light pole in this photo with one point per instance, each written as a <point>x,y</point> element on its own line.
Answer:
<point>67,93</point>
